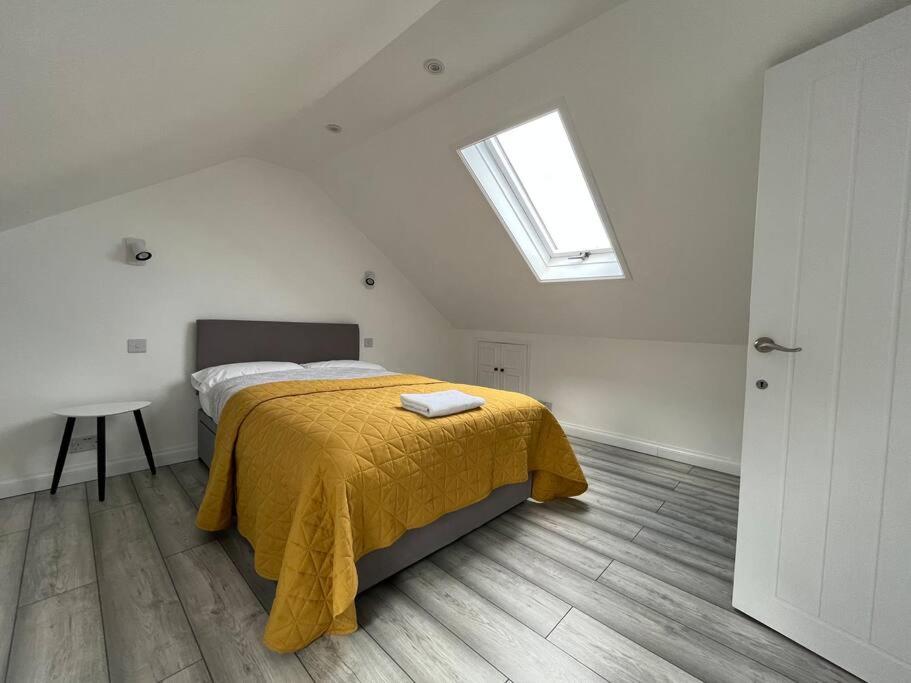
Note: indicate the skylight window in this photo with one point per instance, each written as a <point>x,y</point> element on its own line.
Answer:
<point>532,177</point>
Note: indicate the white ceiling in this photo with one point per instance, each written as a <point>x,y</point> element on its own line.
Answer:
<point>472,38</point>
<point>98,97</point>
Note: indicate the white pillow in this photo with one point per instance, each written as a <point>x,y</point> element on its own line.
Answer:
<point>359,364</point>
<point>208,378</point>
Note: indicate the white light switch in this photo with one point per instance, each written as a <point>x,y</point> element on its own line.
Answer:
<point>368,342</point>
<point>136,345</point>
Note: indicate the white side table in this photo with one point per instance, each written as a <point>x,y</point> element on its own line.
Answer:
<point>100,411</point>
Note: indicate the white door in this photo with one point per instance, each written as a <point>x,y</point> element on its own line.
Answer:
<point>512,367</point>
<point>824,539</point>
<point>488,365</point>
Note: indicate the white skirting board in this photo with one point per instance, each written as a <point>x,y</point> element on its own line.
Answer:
<point>88,471</point>
<point>712,462</point>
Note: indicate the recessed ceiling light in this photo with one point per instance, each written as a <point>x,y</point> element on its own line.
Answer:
<point>434,66</point>
<point>333,128</point>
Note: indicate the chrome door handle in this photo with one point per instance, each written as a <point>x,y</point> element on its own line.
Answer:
<point>767,344</point>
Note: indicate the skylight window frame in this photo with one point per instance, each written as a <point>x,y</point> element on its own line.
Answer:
<point>528,205</point>
<point>489,166</point>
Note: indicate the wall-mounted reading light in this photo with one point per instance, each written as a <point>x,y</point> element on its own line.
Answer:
<point>137,254</point>
<point>369,279</point>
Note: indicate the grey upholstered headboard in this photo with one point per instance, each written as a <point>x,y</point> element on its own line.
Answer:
<point>238,341</point>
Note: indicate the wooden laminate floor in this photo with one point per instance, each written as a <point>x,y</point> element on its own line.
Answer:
<point>629,582</point>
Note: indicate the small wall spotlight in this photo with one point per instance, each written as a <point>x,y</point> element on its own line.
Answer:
<point>137,254</point>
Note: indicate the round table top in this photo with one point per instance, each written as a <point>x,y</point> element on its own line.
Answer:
<point>102,409</point>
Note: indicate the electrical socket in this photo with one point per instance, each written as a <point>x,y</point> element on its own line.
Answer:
<point>368,342</point>
<point>136,345</point>
<point>83,443</point>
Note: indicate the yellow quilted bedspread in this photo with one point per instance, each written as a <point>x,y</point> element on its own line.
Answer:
<point>322,472</point>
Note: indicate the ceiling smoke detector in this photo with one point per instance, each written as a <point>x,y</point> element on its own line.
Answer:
<point>434,66</point>
<point>333,128</point>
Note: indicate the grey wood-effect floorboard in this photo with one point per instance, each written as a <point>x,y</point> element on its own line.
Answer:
<point>733,629</point>
<point>193,477</point>
<point>59,556</point>
<point>598,479</point>
<point>693,555</point>
<point>598,515</point>
<point>622,480</point>
<point>12,557</point>
<point>530,604</point>
<point>195,673</point>
<point>355,657</point>
<point>598,489</point>
<point>171,514</point>
<point>638,517</point>
<point>505,642</point>
<point>579,446</point>
<point>15,513</point>
<point>694,479</point>
<point>609,592</point>
<point>714,497</point>
<point>241,554</point>
<point>644,458</point>
<point>549,525</point>
<point>146,630</point>
<point>615,657</point>
<point>593,462</point>
<point>424,648</point>
<point>685,648</point>
<point>584,560</point>
<point>59,639</point>
<point>732,479</point>
<point>236,546</point>
<point>190,477</point>
<point>703,520</point>
<point>118,491</point>
<point>227,618</point>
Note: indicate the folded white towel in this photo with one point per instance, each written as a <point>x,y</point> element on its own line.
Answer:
<point>440,403</point>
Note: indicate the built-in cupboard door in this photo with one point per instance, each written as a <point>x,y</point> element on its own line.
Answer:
<point>488,365</point>
<point>824,536</point>
<point>513,361</point>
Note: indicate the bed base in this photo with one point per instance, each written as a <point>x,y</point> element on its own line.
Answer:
<point>415,544</point>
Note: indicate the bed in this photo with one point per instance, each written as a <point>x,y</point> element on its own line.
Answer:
<point>336,487</point>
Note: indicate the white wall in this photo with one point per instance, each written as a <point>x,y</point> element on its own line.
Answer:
<point>678,400</point>
<point>245,239</point>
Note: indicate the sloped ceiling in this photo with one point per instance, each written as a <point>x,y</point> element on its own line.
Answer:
<point>666,98</point>
<point>98,97</point>
<point>472,37</point>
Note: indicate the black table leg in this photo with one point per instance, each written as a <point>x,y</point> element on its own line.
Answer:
<point>102,462</point>
<point>140,425</point>
<point>61,455</point>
